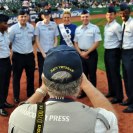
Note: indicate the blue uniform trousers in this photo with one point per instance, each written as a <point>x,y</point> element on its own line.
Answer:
<point>112,59</point>
<point>5,73</point>
<point>40,66</point>
<point>127,65</point>
<point>20,62</point>
<point>90,66</point>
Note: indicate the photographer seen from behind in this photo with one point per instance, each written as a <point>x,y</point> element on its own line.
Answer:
<point>62,80</point>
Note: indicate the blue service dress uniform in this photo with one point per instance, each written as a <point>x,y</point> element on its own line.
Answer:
<point>112,58</point>
<point>5,67</point>
<point>23,56</point>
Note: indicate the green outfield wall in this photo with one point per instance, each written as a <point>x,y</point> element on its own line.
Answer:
<point>103,10</point>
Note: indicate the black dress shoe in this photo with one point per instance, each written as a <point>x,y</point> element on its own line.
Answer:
<point>3,112</point>
<point>16,100</point>
<point>115,101</point>
<point>125,103</point>
<point>109,95</point>
<point>128,110</point>
<point>8,105</point>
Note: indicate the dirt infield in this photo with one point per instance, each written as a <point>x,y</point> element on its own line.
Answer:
<point>125,120</point>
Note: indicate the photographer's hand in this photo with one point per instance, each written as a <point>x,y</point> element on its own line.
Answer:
<point>96,97</point>
<point>39,94</point>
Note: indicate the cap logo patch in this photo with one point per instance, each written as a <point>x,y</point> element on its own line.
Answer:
<point>61,67</point>
<point>61,76</point>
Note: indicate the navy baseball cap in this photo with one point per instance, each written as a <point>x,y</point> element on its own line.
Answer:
<point>4,18</point>
<point>111,9</point>
<point>62,58</point>
<point>85,11</point>
<point>46,12</point>
<point>124,6</point>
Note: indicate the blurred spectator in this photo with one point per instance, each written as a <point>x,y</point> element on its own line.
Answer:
<point>94,4</point>
<point>25,6</point>
<point>114,3</point>
<point>100,5</point>
<point>130,2</point>
<point>2,7</point>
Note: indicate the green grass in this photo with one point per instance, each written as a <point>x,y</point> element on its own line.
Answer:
<point>100,22</point>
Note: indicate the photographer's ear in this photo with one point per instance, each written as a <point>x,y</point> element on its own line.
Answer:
<point>43,86</point>
<point>84,77</point>
<point>84,81</point>
<point>43,79</point>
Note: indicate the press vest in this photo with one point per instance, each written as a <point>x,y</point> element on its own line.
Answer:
<point>60,117</point>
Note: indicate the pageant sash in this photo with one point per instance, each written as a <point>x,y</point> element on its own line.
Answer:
<point>65,35</point>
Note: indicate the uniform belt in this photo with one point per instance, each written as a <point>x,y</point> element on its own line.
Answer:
<point>84,49</point>
<point>22,54</point>
<point>113,49</point>
<point>128,49</point>
<point>91,53</point>
<point>2,59</point>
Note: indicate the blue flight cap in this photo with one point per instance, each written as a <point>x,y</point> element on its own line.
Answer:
<point>111,9</point>
<point>124,6</point>
<point>85,12</point>
<point>4,18</point>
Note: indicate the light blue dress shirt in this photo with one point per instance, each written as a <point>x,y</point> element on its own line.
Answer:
<point>4,45</point>
<point>46,34</point>
<point>112,35</point>
<point>87,36</point>
<point>21,38</point>
<point>128,34</point>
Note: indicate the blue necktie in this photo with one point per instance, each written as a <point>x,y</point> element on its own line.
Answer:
<point>122,34</point>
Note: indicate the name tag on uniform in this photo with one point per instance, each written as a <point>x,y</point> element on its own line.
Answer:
<point>30,32</point>
<point>98,32</point>
<point>128,33</point>
<point>18,33</point>
<point>78,34</point>
<point>109,33</point>
<point>43,28</point>
<point>50,28</point>
<point>89,34</point>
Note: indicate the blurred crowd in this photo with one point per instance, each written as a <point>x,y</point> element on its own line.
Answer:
<point>10,7</point>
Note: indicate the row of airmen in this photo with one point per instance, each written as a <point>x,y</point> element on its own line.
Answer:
<point>20,38</point>
<point>85,38</point>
